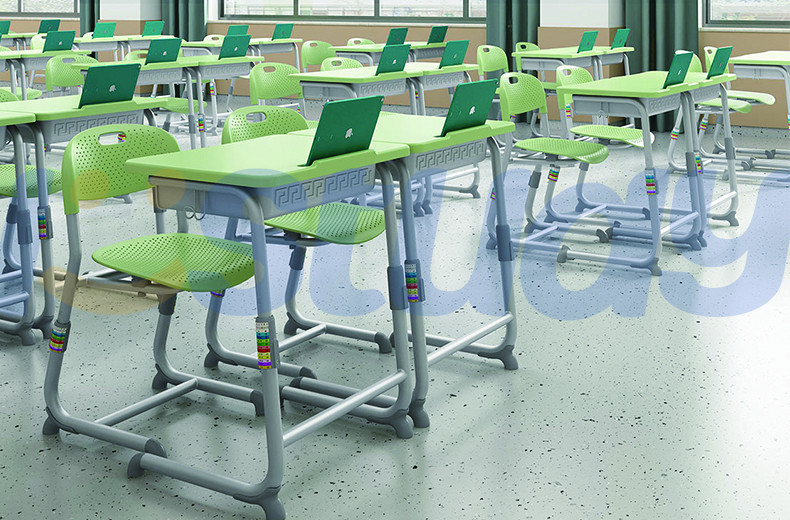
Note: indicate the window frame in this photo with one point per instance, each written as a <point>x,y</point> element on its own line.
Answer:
<point>19,13</point>
<point>465,19</point>
<point>754,24</point>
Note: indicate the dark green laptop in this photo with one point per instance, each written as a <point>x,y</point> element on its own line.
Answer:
<point>104,30</point>
<point>345,126</point>
<point>109,83</point>
<point>620,37</point>
<point>470,105</point>
<point>163,51</point>
<point>234,46</point>
<point>393,58</point>
<point>59,41</point>
<point>720,60</point>
<point>5,26</point>
<point>454,53</point>
<point>438,34</point>
<point>46,26</point>
<point>153,28</point>
<point>282,31</point>
<point>397,36</point>
<point>588,41</point>
<point>678,68</point>
<point>236,30</point>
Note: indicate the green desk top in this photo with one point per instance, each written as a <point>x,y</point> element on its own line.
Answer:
<point>82,39</point>
<point>268,41</point>
<point>265,162</point>
<point>570,52</point>
<point>15,118</point>
<point>20,35</point>
<point>379,47</point>
<point>36,53</point>
<point>361,75</point>
<point>431,69</point>
<point>781,58</point>
<point>180,63</point>
<point>65,107</point>
<point>420,133</point>
<point>140,37</point>
<point>642,85</point>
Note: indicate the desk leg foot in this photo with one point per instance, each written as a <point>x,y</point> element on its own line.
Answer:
<point>27,337</point>
<point>7,268</point>
<point>50,427</point>
<point>291,326</point>
<point>160,381</point>
<point>729,217</point>
<point>491,244</point>
<point>384,343</point>
<point>701,239</point>
<point>418,414</point>
<point>400,423</point>
<point>505,355</point>
<point>212,359</point>
<point>44,324</point>
<point>272,506</point>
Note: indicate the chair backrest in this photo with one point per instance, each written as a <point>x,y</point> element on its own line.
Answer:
<point>37,41</point>
<point>136,55</point>
<point>271,121</point>
<point>314,52</point>
<point>88,35</point>
<point>491,58</point>
<point>696,64</point>
<point>520,93</point>
<point>60,73</point>
<point>214,38</point>
<point>359,41</point>
<point>93,166</point>
<point>710,52</point>
<point>273,80</point>
<point>340,64</point>
<point>570,75</point>
<point>526,46</point>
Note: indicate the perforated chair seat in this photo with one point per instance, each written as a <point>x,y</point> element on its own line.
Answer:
<point>8,180</point>
<point>181,261</point>
<point>759,97</point>
<point>735,104</point>
<point>630,136</point>
<point>32,93</point>
<point>334,222</point>
<point>311,124</point>
<point>181,105</point>
<point>590,153</point>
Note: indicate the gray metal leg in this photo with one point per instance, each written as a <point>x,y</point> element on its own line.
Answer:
<point>191,118</point>
<point>44,321</point>
<point>201,110</point>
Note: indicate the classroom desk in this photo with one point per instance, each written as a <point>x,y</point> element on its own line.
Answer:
<point>371,53</point>
<point>19,324</point>
<point>549,59</point>
<point>57,120</point>
<point>433,78</point>
<point>641,96</point>
<point>17,40</point>
<point>256,180</point>
<point>430,155</point>
<point>30,60</point>
<point>138,42</point>
<point>258,46</point>
<point>112,44</point>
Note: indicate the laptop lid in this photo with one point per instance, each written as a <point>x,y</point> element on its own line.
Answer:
<point>393,58</point>
<point>234,46</point>
<point>438,33</point>
<point>109,83</point>
<point>588,41</point>
<point>470,105</point>
<point>164,50</point>
<point>397,35</point>
<point>282,31</point>
<point>719,64</point>
<point>620,37</point>
<point>5,26</point>
<point>345,126</point>
<point>454,53</point>
<point>154,28</point>
<point>59,41</point>
<point>104,30</point>
<point>236,30</point>
<point>678,68</point>
<point>48,25</point>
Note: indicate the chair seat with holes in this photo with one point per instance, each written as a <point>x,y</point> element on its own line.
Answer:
<point>334,222</point>
<point>181,261</point>
<point>8,180</point>
<point>759,97</point>
<point>181,105</point>
<point>590,153</point>
<point>630,136</point>
<point>311,124</point>
<point>32,93</point>
<point>735,104</point>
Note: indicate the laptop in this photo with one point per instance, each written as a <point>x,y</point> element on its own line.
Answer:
<point>109,83</point>
<point>470,105</point>
<point>438,33</point>
<point>397,36</point>
<point>588,41</point>
<point>153,28</point>
<point>59,41</point>
<point>620,37</point>
<point>282,31</point>
<point>234,46</point>
<point>345,126</point>
<point>719,64</point>
<point>104,30</point>
<point>5,26</point>
<point>393,58</point>
<point>163,51</point>
<point>678,68</point>
<point>48,25</point>
<point>454,53</point>
<point>236,30</point>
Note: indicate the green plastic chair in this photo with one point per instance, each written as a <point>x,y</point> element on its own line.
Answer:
<point>271,81</point>
<point>526,46</point>
<point>340,64</point>
<point>735,105</point>
<point>314,52</point>
<point>491,58</point>
<point>60,74</point>
<point>37,41</point>
<point>359,41</point>
<point>32,93</point>
<point>754,98</point>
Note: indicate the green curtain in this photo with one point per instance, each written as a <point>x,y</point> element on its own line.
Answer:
<point>658,29</point>
<point>185,19</point>
<point>512,21</point>
<point>89,15</point>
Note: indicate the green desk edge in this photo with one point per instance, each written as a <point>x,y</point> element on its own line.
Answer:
<point>121,38</point>
<point>570,52</point>
<point>65,107</point>
<point>363,75</point>
<point>253,41</point>
<point>432,69</point>
<point>378,47</point>
<point>15,118</point>
<point>30,53</point>
<point>642,85</point>
<point>763,58</point>
<point>265,162</point>
<point>183,61</point>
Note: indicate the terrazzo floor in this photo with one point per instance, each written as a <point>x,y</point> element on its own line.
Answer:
<point>636,397</point>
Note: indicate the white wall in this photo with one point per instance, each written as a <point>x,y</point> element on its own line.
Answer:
<point>582,13</point>
<point>130,10</point>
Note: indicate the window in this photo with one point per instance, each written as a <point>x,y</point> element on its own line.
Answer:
<point>369,10</point>
<point>60,7</point>
<point>747,13</point>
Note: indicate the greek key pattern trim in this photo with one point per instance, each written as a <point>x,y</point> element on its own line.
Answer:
<point>227,71</point>
<point>438,81</point>
<point>384,88</point>
<point>159,77</point>
<point>72,127</point>
<point>301,193</point>
<point>452,157</point>
<point>704,94</point>
<point>662,104</point>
